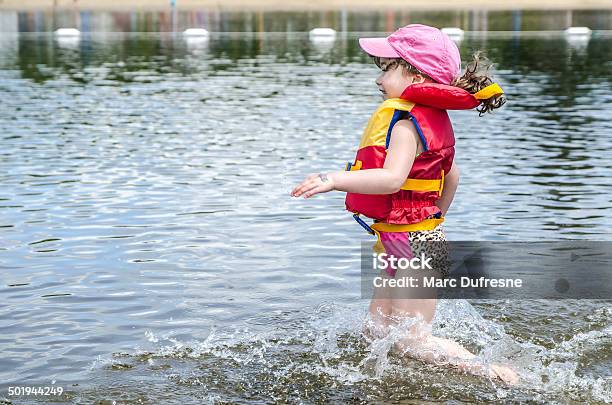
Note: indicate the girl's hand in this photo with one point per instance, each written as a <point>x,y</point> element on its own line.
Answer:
<point>314,184</point>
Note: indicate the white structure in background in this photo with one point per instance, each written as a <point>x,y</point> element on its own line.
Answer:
<point>578,32</point>
<point>196,32</point>
<point>68,37</point>
<point>578,37</point>
<point>67,32</point>
<point>322,35</point>
<point>454,33</point>
<point>196,39</point>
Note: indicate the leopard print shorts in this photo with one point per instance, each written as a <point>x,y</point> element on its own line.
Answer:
<point>431,243</point>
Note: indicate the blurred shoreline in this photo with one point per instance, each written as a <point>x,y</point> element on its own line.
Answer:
<point>302,5</point>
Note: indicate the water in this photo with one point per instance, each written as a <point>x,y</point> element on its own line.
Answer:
<point>150,252</point>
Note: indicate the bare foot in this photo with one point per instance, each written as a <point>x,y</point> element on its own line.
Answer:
<point>504,373</point>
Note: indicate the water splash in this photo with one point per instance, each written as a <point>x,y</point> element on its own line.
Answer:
<point>335,346</point>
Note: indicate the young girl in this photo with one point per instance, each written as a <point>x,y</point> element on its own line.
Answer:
<point>404,176</point>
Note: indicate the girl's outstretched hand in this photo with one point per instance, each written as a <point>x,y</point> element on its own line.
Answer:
<point>314,184</point>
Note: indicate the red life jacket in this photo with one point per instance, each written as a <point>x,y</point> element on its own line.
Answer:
<point>425,105</point>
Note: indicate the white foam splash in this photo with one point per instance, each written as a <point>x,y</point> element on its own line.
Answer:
<point>331,335</point>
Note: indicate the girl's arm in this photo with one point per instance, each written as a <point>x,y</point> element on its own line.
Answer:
<point>387,180</point>
<point>451,181</point>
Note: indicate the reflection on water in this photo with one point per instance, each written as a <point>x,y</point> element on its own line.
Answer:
<point>147,232</point>
<point>279,21</point>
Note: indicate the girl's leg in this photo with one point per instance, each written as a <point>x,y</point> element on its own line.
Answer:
<point>417,304</point>
<point>395,245</point>
<point>380,307</point>
<point>433,349</point>
<point>380,311</point>
<point>419,343</point>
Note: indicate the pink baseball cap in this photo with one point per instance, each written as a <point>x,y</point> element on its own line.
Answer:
<point>426,48</point>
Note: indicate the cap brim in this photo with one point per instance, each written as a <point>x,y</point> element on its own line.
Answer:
<point>378,47</point>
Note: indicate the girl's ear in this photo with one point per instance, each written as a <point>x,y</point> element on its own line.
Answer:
<point>417,78</point>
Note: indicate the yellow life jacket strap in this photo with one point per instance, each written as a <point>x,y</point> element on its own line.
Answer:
<point>424,185</point>
<point>425,225</point>
<point>421,185</point>
<point>378,227</point>
<point>410,184</point>
<point>492,90</point>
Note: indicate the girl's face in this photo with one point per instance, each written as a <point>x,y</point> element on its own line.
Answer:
<point>393,80</point>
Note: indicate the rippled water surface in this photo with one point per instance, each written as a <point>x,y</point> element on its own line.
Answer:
<point>150,251</point>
